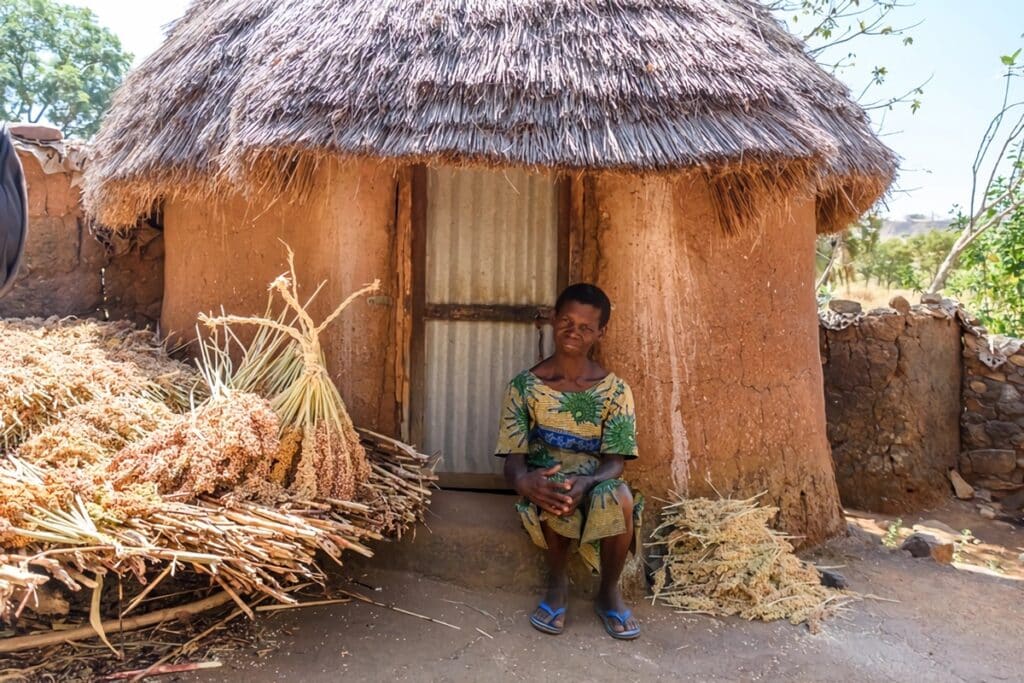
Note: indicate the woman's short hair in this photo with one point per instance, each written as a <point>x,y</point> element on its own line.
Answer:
<point>586,293</point>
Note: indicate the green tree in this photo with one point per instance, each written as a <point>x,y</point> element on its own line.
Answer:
<point>57,64</point>
<point>990,270</point>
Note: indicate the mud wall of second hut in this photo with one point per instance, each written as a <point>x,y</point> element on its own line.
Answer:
<point>225,253</point>
<point>718,336</point>
<point>68,271</point>
<point>892,398</point>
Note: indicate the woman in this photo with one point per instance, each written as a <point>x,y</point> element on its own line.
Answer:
<point>567,428</point>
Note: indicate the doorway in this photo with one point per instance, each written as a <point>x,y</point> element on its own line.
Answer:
<point>490,256</point>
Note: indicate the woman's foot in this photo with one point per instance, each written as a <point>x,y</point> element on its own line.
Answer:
<point>556,599</point>
<point>610,601</point>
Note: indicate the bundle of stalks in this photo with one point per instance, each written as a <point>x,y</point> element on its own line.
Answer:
<point>54,364</point>
<point>721,557</point>
<point>397,492</point>
<point>285,363</point>
<point>113,482</point>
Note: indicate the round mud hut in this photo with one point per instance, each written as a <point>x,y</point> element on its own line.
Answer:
<point>477,155</point>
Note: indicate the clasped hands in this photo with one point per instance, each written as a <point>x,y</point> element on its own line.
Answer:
<point>560,498</point>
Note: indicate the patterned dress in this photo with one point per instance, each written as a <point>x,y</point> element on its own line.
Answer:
<point>574,429</point>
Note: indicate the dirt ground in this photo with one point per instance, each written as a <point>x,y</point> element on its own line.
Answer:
<point>929,622</point>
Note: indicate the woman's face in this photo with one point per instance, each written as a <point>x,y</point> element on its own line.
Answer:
<point>577,328</point>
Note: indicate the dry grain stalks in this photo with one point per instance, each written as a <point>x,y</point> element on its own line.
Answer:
<point>285,363</point>
<point>105,494</point>
<point>721,557</point>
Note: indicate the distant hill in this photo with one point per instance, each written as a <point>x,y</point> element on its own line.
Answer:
<point>912,225</point>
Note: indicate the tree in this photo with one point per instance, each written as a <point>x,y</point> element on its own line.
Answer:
<point>991,273</point>
<point>997,176</point>
<point>834,28</point>
<point>57,64</point>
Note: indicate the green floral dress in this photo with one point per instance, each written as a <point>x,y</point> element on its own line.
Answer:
<point>574,429</point>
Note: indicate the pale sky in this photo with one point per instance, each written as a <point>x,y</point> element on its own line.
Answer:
<point>958,45</point>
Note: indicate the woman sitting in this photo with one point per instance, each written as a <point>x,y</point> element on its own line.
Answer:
<point>567,428</point>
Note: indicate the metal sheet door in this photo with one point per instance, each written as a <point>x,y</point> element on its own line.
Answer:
<point>492,255</point>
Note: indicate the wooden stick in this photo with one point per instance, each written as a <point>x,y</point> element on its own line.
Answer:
<point>113,626</point>
<point>314,603</point>
<point>363,598</point>
<point>165,669</point>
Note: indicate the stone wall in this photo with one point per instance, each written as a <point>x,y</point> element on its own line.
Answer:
<point>67,270</point>
<point>992,423</point>
<point>892,400</point>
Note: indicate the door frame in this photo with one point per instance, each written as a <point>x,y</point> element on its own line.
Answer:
<point>421,311</point>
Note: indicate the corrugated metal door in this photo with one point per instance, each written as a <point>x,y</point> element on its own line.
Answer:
<point>491,267</point>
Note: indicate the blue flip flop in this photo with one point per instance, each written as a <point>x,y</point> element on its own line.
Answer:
<point>606,618</point>
<point>546,626</point>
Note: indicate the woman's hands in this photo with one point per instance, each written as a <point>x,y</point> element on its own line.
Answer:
<point>547,494</point>
<point>559,498</point>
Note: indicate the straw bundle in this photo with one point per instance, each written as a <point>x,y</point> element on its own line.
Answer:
<point>285,362</point>
<point>55,364</point>
<point>721,557</point>
<point>113,481</point>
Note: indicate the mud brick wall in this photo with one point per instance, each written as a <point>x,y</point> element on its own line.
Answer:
<point>992,424</point>
<point>892,400</point>
<point>68,271</point>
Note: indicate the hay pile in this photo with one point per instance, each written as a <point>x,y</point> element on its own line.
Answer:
<point>52,365</point>
<point>120,461</point>
<point>720,557</point>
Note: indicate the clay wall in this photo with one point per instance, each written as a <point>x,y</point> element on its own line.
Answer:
<point>892,399</point>
<point>717,336</point>
<point>225,253</point>
<point>68,271</point>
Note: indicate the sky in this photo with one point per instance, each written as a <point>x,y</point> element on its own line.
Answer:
<point>956,44</point>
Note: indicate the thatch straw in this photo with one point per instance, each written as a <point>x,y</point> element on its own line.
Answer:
<point>634,86</point>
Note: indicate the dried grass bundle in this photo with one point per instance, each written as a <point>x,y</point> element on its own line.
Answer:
<point>285,363</point>
<point>721,557</point>
<point>52,365</point>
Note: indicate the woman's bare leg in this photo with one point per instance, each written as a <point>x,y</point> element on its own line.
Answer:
<point>614,550</point>
<point>557,594</point>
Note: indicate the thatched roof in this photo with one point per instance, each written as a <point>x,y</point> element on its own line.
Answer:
<point>634,86</point>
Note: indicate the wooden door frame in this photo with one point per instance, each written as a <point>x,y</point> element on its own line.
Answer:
<point>421,311</point>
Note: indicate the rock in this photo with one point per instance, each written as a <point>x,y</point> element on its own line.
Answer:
<point>832,579</point>
<point>1008,394</point>
<point>1011,409</point>
<point>999,429</point>
<point>992,461</point>
<point>931,298</point>
<point>845,307</point>
<point>926,545</point>
<point>1014,501</point>
<point>1017,359</point>
<point>986,512</point>
<point>976,435</point>
<point>1020,463</point>
<point>996,484</point>
<point>900,304</point>
<point>983,494</point>
<point>978,387</point>
<point>35,131</point>
<point>940,530</point>
<point>963,490</point>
